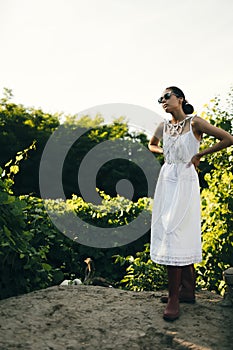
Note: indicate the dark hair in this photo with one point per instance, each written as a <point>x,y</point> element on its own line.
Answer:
<point>187,108</point>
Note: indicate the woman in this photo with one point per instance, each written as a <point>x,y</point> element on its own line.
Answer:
<point>176,222</point>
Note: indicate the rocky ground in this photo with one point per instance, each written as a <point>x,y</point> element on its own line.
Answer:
<point>88,317</point>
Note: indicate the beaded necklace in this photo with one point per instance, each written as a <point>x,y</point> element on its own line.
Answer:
<point>176,129</point>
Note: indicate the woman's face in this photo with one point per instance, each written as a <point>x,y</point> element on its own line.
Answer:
<point>170,101</point>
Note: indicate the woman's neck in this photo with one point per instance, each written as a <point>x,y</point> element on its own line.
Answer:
<point>178,116</point>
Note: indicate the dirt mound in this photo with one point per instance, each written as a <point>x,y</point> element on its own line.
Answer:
<point>88,317</point>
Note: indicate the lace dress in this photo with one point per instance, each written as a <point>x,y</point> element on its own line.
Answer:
<point>176,222</point>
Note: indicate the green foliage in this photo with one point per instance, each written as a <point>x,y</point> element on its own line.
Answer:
<point>112,212</point>
<point>141,272</point>
<point>58,249</point>
<point>219,113</point>
<point>69,255</point>
<point>23,264</point>
<point>94,132</point>
<point>18,259</point>
<point>34,254</point>
<point>217,226</point>
<point>217,204</point>
<point>12,167</point>
<point>19,128</point>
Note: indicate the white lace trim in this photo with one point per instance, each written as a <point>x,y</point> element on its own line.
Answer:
<point>176,261</point>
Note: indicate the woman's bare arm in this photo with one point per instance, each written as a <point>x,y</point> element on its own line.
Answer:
<point>154,141</point>
<point>201,126</point>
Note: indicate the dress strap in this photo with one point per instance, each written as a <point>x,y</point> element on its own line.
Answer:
<point>165,121</point>
<point>191,128</point>
<point>192,116</point>
<point>164,125</point>
<point>191,119</point>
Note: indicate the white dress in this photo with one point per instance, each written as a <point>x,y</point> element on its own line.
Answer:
<point>176,221</point>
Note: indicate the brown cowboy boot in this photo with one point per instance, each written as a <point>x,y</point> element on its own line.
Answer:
<point>188,282</point>
<point>172,310</point>
<point>187,287</point>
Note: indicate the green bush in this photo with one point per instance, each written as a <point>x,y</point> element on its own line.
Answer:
<point>34,254</point>
<point>141,272</point>
<point>69,255</point>
<point>217,227</point>
<point>217,201</point>
<point>22,267</point>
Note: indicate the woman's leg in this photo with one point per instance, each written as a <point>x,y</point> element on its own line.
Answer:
<point>174,281</point>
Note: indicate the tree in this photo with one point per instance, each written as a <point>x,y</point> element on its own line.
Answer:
<point>111,171</point>
<point>19,127</point>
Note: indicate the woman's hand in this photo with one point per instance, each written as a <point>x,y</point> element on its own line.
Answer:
<point>196,160</point>
<point>155,149</point>
<point>154,145</point>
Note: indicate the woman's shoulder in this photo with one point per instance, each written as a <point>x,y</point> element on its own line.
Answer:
<point>196,120</point>
<point>161,125</point>
<point>159,130</point>
<point>197,126</point>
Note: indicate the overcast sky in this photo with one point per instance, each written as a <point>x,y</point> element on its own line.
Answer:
<point>70,55</point>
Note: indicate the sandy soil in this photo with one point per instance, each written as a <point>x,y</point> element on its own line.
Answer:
<point>88,317</point>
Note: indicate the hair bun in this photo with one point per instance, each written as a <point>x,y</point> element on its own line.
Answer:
<point>187,108</point>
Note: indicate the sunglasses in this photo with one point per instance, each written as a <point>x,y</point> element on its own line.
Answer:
<point>166,96</point>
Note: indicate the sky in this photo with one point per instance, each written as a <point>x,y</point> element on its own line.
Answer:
<point>71,55</point>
